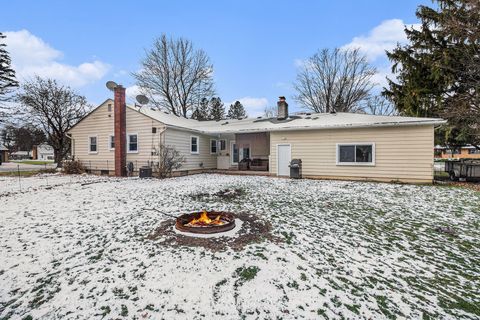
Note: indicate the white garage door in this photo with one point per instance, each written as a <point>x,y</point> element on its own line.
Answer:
<point>284,156</point>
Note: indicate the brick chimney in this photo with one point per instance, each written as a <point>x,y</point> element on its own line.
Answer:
<point>120,129</point>
<point>282,106</point>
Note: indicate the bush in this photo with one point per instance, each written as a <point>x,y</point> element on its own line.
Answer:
<point>73,167</point>
<point>169,159</point>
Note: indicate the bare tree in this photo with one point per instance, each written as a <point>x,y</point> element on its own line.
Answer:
<point>54,108</point>
<point>169,159</point>
<point>379,105</point>
<point>175,75</point>
<point>270,112</point>
<point>334,80</point>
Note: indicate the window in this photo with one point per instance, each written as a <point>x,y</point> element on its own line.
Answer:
<point>109,107</point>
<point>193,144</point>
<point>473,151</point>
<point>213,146</point>
<point>223,145</point>
<point>92,148</point>
<point>356,154</point>
<point>111,142</point>
<point>132,143</point>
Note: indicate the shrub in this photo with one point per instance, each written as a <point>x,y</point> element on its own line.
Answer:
<point>73,167</point>
<point>169,159</point>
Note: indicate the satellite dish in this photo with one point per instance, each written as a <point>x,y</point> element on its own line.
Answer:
<point>142,99</point>
<point>111,85</point>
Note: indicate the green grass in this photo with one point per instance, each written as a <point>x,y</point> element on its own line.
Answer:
<point>16,173</point>
<point>35,162</point>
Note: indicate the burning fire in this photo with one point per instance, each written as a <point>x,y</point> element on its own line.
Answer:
<point>204,221</point>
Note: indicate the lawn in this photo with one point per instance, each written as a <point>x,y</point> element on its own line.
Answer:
<point>35,162</point>
<point>82,247</point>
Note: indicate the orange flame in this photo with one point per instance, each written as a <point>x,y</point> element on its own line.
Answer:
<point>204,220</point>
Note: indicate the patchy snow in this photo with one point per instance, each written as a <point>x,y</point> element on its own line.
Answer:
<point>76,247</point>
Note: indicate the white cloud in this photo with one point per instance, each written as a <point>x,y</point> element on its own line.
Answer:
<point>131,93</point>
<point>254,106</point>
<point>32,56</point>
<point>383,37</point>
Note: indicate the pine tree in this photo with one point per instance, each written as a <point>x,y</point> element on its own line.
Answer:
<point>217,109</point>
<point>7,75</point>
<point>236,111</point>
<point>201,112</point>
<point>438,71</point>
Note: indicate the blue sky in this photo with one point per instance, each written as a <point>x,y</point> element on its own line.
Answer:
<point>255,46</point>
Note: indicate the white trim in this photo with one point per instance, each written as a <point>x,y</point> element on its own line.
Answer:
<point>128,142</point>
<point>89,144</point>
<point>198,145</point>
<point>232,142</point>
<point>216,146</point>
<point>109,142</point>
<point>364,164</point>
<point>283,144</point>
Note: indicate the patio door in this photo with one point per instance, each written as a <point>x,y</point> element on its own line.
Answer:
<point>234,153</point>
<point>284,155</point>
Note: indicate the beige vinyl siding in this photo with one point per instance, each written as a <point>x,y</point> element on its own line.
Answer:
<point>180,139</point>
<point>100,123</point>
<point>142,125</point>
<point>401,153</point>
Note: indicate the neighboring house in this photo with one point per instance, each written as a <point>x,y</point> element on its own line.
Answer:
<point>468,152</point>
<point>3,154</point>
<point>331,145</point>
<point>42,152</point>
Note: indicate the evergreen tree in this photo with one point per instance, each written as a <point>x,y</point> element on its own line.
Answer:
<point>438,71</point>
<point>201,112</point>
<point>217,109</point>
<point>236,111</point>
<point>7,75</point>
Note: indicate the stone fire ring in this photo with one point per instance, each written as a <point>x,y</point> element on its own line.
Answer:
<point>224,216</point>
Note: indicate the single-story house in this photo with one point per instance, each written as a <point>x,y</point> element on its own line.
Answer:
<point>42,152</point>
<point>330,145</point>
<point>464,152</point>
<point>3,154</point>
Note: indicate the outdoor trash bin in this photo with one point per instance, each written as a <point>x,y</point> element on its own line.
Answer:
<point>296,169</point>
<point>145,172</point>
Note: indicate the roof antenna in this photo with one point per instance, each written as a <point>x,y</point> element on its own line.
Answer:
<point>111,85</point>
<point>142,100</point>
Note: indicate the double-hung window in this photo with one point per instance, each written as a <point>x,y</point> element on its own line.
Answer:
<point>223,145</point>
<point>356,154</point>
<point>111,142</point>
<point>194,145</point>
<point>132,143</point>
<point>213,146</point>
<point>92,144</point>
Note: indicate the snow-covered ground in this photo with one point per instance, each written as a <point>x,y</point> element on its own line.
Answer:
<point>72,248</point>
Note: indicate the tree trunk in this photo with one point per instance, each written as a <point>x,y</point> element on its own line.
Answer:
<point>58,156</point>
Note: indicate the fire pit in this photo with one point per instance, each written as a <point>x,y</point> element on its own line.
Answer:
<point>205,222</point>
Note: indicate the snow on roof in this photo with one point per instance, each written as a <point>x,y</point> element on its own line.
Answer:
<point>294,122</point>
<point>2,148</point>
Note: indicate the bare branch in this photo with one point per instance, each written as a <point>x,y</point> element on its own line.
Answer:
<point>176,76</point>
<point>336,80</point>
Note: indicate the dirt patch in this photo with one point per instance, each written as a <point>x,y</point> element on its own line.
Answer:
<point>226,194</point>
<point>254,230</point>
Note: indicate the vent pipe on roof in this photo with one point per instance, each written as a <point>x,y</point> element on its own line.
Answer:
<point>282,106</point>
